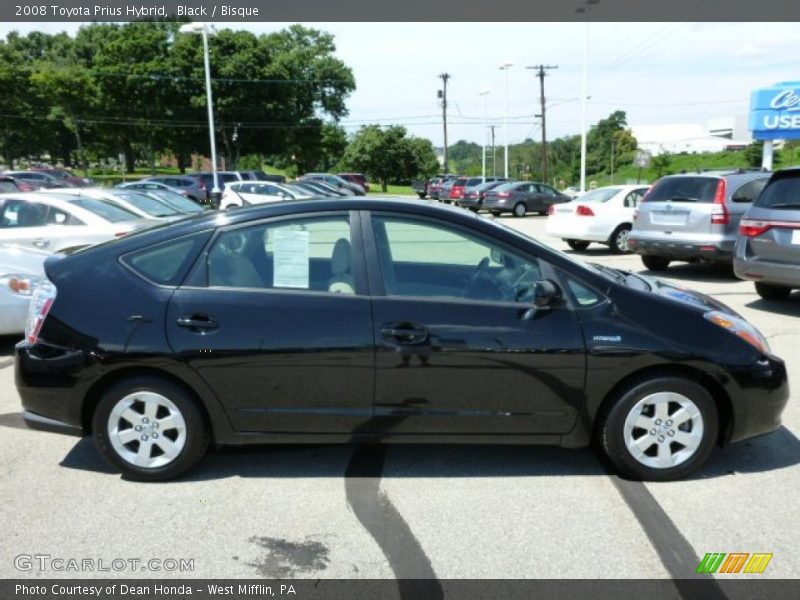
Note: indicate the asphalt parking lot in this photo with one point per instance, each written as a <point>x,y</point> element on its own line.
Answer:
<point>414,511</point>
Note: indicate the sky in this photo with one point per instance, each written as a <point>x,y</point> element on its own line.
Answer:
<point>659,73</point>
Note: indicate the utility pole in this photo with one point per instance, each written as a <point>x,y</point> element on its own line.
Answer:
<point>494,154</point>
<point>540,73</point>
<point>443,96</point>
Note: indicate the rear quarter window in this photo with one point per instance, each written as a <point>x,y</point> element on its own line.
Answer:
<point>166,263</point>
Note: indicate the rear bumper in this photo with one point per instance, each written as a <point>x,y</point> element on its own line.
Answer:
<point>576,228</point>
<point>751,269</point>
<point>13,312</point>
<point>682,249</point>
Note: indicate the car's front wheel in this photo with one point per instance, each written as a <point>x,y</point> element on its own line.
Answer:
<point>150,428</point>
<point>772,292</point>
<point>520,210</point>
<point>659,429</point>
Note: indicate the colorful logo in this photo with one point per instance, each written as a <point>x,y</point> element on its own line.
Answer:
<point>735,562</point>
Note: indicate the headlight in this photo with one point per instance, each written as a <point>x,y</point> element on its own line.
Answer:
<point>21,285</point>
<point>739,327</point>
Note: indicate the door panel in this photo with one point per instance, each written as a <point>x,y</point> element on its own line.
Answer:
<point>285,342</point>
<point>455,351</point>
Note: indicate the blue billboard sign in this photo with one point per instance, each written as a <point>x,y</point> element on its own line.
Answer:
<point>775,112</point>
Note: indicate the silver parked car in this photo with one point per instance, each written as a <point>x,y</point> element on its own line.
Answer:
<point>692,217</point>
<point>768,249</point>
<point>55,222</point>
<point>143,205</point>
<point>21,270</point>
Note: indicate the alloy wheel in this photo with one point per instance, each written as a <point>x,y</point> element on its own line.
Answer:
<point>147,430</point>
<point>663,430</point>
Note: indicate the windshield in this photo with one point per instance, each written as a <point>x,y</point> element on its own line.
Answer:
<point>600,195</point>
<point>684,189</point>
<point>178,202</point>
<point>106,209</point>
<point>151,206</point>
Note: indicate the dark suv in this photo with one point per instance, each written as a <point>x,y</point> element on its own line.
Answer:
<point>768,248</point>
<point>693,217</point>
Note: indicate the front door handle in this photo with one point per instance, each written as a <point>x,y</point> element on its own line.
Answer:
<point>198,323</point>
<point>404,333</point>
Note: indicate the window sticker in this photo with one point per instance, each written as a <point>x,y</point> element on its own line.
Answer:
<point>291,259</point>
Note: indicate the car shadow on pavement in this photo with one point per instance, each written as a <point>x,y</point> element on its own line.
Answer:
<point>776,451</point>
<point>7,343</point>
<point>696,272</point>
<point>789,308</point>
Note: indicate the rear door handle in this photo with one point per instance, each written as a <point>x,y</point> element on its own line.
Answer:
<point>404,333</point>
<point>198,323</point>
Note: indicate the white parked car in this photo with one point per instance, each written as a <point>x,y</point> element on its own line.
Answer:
<point>144,206</point>
<point>21,270</point>
<point>55,222</point>
<point>604,215</point>
<point>243,193</point>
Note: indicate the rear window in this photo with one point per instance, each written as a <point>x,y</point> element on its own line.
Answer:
<point>178,202</point>
<point>684,189</point>
<point>461,181</point>
<point>147,204</point>
<point>166,263</point>
<point>601,195</point>
<point>105,209</point>
<point>781,193</point>
<point>474,181</point>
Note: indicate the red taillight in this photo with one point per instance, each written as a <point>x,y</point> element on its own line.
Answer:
<point>584,211</point>
<point>41,303</point>
<point>504,195</point>
<point>720,214</point>
<point>754,228</point>
<point>551,210</point>
<point>121,234</point>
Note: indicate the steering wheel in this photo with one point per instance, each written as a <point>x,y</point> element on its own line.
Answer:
<point>480,271</point>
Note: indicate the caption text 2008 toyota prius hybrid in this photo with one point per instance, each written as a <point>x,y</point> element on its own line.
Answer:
<point>382,320</point>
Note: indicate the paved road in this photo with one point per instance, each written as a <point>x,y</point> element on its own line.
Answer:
<point>415,511</point>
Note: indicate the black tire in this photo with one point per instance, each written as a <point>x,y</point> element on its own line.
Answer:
<point>474,209</point>
<point>769,291</point>
<point>520,210</point>
<point>655,263</point>
<point>196,430</point>
<point>618,242</point>
<point>577,245</point>
<point>495,213</point>
<point>611,430</point>
<point>542,213</point>
<point>422,195</point>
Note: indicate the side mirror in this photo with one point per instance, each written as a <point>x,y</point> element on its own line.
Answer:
<point>545,294</point>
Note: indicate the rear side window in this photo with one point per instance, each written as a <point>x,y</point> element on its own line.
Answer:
<point>166,263</point>
<point>684,189</point>
<point>750,190</point>
<point>781,193</point>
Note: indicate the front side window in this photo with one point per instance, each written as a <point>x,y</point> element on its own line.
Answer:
<point>426,259</point>
<point>312,254</point>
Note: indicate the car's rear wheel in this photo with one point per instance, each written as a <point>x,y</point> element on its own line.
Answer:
<point>619,239</point>
<point>421,195</point>
<point>655,263</point>
<point>579,245</point>
<point>769,291</point>
<point>542,213</point>
<point>495,213</point>
<point>150,429</point>
<point>659,429</point>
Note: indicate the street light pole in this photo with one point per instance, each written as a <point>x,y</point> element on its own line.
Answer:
<point>202,29</point>
<point>505,67</point>
<point>485,94</point>
<point>585,8</point>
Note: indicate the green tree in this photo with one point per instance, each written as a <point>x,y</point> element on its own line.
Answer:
<point>387,155</point>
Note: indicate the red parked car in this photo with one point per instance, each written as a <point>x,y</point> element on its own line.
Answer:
<point>358,178</point>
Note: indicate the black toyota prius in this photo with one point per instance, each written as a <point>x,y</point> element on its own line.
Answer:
<point>381,321</point>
